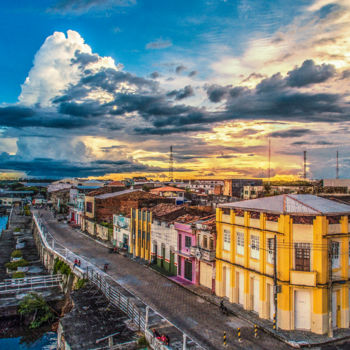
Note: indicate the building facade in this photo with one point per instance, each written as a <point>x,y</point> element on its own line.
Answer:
<point>288,253</point>
<point>121,231</point>
<point>140,228</point>
<point>164,241</point>
<point>186,267</point>
<point>204,252</point>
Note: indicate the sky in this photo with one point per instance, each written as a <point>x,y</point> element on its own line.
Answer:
<point>103,88</point>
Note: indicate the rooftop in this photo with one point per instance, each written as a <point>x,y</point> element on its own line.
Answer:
<point>116,184</point>
<point>167,189</point>
<point>165,209</point>
<point>296,204</point>
<point>115,194</point>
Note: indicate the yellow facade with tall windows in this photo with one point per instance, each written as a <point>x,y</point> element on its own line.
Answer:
<point>312,234</point>
<point>140,229</point>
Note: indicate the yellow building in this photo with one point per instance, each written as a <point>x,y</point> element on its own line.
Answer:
<point>308,275</point>
<point>140,227</point>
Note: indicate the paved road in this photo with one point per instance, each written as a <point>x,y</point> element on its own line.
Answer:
<point>201,320</point>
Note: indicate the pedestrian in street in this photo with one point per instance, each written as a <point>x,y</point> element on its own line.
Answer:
<point>79,262</point>
<point>75,263</point>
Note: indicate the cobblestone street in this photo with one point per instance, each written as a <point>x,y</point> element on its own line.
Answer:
<point>200,319</point>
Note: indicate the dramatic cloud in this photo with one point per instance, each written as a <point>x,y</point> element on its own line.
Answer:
<point>310,73</point>
<point>77,108</point>
<point>159,44</point>
<point>57,65</point>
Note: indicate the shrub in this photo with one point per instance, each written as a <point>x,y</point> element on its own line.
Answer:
<point>17,229</point>
<point>35,307</point>
<point>61,266</point>
<point>19,274</point>
<point>142,341</point>
<point>80,283</point>
<point>16,254</point>
<point>14,264</point>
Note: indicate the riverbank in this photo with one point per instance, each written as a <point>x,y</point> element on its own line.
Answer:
<point>14,332</point>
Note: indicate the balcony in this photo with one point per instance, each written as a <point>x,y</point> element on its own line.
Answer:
<point>202,254</point>
<point>303,278</point>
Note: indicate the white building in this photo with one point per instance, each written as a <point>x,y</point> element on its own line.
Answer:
<point>121,231</point>
<point>252,192</point>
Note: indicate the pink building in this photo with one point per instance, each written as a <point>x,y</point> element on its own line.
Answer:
<point>186,267</point>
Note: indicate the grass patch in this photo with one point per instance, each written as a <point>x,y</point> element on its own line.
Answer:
<point>19,274</point>
<point>16,254</point>
<point>15,264</point>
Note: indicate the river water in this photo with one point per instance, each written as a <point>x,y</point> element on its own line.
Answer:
<point>3,222</point>
<point>47,342</point>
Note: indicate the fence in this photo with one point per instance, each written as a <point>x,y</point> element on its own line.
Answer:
<point>18,285</point>
<point>117,298</point>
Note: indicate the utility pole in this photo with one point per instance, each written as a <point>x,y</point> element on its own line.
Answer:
<point>171,164</point>
<point>304,165</point>
<point>330,302</point>
<point>275,286</point>
<point>337,169</point>
<point>269,155</point>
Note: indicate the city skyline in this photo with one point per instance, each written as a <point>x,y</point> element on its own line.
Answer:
<point>104,88</point>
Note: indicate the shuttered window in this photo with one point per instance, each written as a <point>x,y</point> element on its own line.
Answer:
<point>302,256</point>
<point>227,239</point>
<point>240,243</point>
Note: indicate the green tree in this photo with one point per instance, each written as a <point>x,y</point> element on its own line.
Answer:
<point>34,306</point>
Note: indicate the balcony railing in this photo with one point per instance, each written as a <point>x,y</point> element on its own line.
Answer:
<point>202,254</point>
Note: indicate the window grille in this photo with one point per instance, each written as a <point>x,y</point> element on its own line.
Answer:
<point>240,243</point>
<point>227,239</point>
<point>254,247</point>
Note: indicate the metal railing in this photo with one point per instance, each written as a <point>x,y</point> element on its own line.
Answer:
<point>19,285</point>
<point>116,298</point>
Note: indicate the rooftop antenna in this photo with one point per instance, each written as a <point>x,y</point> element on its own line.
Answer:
<point>171,164</point>
<point>304,165</point>
<point>269,170</point>
<point>337,169</point>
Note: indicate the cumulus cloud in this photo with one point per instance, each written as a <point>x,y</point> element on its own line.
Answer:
<point>53,71</point>
<point>310,73</point>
